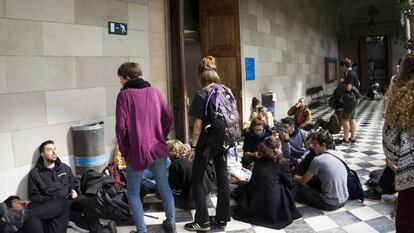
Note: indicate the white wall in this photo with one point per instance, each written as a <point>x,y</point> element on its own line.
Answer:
<point>289,40</point>
<point>58,68</point>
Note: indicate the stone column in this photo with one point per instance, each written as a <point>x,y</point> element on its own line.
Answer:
<point>409,24</point>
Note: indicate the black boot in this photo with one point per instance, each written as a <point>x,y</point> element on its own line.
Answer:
<point>111,225</point>
<point>99,229</point>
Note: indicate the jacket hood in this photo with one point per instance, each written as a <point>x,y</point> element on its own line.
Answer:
<point>40,165</point>
<point>137,83</point>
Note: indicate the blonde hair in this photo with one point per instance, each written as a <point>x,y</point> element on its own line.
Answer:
<point>207,63</point>
<point>400,97</point>
<point>177,149</point>
<point>209,77</point>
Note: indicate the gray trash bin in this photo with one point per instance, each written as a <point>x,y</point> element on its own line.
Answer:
<point>89,147</point>
<point>268,102</point>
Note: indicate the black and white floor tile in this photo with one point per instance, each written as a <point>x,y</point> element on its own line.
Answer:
<point>364,156</point>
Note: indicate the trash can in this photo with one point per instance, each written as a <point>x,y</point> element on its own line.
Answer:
<point>89,147</point>
<point>269,101</point>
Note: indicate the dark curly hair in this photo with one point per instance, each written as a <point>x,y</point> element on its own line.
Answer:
<point>267,148</point>
<point>322,136</point>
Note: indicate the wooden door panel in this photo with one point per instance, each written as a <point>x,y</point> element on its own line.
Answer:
<point>220,37</point>
<point>219,42</point>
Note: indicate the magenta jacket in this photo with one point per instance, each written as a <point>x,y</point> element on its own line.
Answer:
<point>143,121</point>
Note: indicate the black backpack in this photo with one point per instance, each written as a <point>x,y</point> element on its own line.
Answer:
<point>91,181</point>
<point>112,202</point>
<point>355,190</point>
<point>222,118</point>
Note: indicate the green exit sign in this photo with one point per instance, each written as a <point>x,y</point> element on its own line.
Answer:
<point>117,28</point>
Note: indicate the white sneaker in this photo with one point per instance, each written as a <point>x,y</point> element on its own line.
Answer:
<point>77,228</point>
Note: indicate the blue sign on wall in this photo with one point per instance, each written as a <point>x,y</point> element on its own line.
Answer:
<point>250,72</point>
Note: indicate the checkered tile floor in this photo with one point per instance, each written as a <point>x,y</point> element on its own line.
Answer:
<point>364,156</point>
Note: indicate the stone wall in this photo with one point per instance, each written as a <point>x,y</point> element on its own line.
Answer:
<point>58,68</point>
<point>289,40</point>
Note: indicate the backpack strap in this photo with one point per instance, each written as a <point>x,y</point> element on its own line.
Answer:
<point>214,90</point>
<point>343,162</point>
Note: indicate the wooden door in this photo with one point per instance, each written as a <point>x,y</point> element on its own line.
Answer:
<point>220,37</point>
<point>363,63</point>
<point>179,87</point>
<point>387,60</point>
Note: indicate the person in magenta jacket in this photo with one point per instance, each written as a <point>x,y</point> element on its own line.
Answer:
<point>143,121</point>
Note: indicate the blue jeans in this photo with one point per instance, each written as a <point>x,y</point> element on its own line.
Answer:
<point>148,179</point>
<point>159,170</point>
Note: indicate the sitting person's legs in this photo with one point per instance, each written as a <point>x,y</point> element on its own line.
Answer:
<point>313,197</point>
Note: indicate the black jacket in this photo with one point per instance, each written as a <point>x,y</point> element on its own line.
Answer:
<point>45,184</point>
<point>180,176</point>
<point>266,200</point>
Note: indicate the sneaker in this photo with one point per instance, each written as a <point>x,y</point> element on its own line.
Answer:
<point>389,197</point>
<point>77,228</point>
<point>13,217</point>
<point>193,226</point>
<point>344,142</point>
<point>372,194</point>
<point>220,224</point>
<point>111,225</point>
<point>169,228</point>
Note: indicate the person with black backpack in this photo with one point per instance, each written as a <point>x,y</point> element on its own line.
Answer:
<point>216,125</point>
<point>328,166</point>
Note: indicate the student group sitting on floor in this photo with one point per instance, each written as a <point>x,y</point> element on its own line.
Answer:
<point>282,162</point>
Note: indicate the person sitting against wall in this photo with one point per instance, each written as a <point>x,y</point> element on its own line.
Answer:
<point>302,115</point>
<point>266,116</point>
<point>20,215</point>
<point>256,134</point>
<point>256,104</point>
<point>385,184</point>
<point>330,171</point>
<point>266,199</point>
<point>180,174</point>
<point>293,139</point>
<point>373,92</point>
<point>51,179</point>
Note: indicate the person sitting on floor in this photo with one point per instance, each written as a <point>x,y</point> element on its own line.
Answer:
<point>49,179</point>
<point>293,139</point>
<point>234,167</point>
<point>266,199</point>
<point>256,104</point>
<point>302,115</point>
<point>256,134</point>
<point>304,164</point>
<point>20,215</point>
<point>333,126</point>
<point>180,175</point>
<point>330,171</point>
<point>266,116</point>
<point>385,185</point>
<point>373,93</point>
